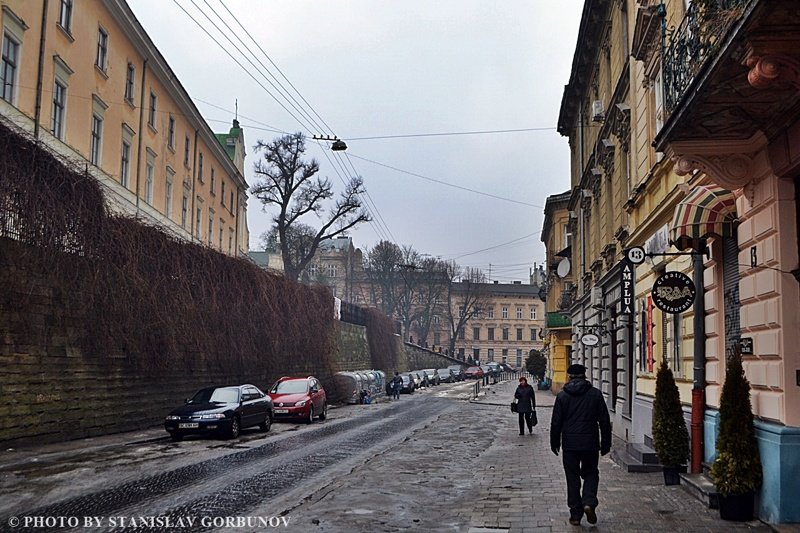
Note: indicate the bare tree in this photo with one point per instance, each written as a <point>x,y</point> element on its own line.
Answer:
<point>431,291</point>
<point>289,183</point>
<point>382,269</point>
<point>466,296</point>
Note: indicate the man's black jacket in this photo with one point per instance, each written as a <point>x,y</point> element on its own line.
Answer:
<point>578,412</point>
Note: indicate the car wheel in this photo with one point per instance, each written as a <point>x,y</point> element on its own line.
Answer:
<point>235,428</point>
<point>267,423</point>
<point>310,418</point>
<point>176,437</point>
<point>324,414</point>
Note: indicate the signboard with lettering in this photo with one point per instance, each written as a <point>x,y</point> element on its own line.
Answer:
<point>628,274</point>
<point>673,292</point>
<point>746,344</point>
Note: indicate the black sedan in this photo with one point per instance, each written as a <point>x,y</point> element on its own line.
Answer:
<point>221,410</point>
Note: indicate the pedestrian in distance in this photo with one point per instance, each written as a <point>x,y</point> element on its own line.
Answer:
<point>397,384</point>
<point>525,397</point>
<point>581,427</point>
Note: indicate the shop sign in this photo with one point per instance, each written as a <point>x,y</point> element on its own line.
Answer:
<point>627,272</point>
<point>590,339</point>
<point>673,292</point>
<point>746,344</point>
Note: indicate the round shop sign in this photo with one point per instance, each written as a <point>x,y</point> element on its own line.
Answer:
<point>590,339</point>
<point>673,292</point>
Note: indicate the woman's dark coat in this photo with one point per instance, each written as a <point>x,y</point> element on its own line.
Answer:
<point>526,399</point>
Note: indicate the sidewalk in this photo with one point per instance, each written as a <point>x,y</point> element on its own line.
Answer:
<point>527,492</point>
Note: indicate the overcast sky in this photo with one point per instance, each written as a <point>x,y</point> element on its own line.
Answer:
<point>372,68</point>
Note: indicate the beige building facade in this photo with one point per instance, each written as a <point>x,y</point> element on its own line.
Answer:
<point>84,79</point>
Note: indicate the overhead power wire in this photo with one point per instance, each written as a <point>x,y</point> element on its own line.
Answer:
<point>447,134</point>
<point>445,183</point>
<point>498,245</point>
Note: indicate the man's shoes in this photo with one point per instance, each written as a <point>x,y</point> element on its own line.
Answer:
<point>575,521</point>
<point>522,433</point>
<point>591,516</point>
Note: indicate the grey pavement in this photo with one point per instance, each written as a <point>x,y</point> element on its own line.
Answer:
<point>466,471</point>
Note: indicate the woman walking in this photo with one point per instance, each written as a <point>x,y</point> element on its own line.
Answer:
<point>526,405</point>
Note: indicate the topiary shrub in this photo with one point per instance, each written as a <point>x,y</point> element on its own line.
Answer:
<point>670,436</point>
<point>737,468</point>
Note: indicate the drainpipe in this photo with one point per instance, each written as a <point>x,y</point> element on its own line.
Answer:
<point>37,115</point>
<point>192,214</point>
<point>698,389</point>
<point>141,134</point>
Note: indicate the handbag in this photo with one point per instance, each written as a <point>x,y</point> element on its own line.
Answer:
<point>534,420</point>
<point>514,406</point>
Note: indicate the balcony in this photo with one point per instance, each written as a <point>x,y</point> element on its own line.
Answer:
<point>731,73</point>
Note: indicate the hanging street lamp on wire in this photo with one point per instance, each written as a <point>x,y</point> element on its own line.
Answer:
<point>338,144</point>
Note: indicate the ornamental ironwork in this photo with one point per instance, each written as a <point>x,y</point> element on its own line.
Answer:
<point>686,49</point>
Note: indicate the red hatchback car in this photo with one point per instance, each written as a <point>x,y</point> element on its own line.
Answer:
<point>299,398</point>
<point>474,372</point>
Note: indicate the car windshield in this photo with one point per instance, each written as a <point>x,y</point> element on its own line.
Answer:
<point>293,386</point>
<point>443,371</point>
<point>220,395</point>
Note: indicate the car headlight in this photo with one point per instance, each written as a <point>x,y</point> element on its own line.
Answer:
<point>173,417</point>
<point>301,403</point>
<point>216,416</point>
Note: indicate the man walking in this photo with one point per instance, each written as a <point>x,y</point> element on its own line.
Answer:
<point>397,384</point>
<point>578,413</point>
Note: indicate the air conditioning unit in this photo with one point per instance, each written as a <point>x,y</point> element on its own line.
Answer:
<point>598,111</point>
<point>597,298</point>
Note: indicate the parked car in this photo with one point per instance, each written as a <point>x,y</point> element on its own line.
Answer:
<point>221,410</point>
<point>446,375</point>
<point>433,377</point>
<point>458,372</point>
<point>473,372</point>
<point>408,383</point>
<point>299,398</point>
<point>417,377</point>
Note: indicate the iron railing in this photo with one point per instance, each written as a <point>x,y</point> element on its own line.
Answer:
<point>687,48</point>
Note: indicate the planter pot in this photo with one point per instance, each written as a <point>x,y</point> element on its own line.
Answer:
<point>672,474</point>
<point>737,507</point>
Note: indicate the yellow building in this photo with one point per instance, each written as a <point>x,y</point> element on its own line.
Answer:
<point>557,232</point>
<point>86,80</point>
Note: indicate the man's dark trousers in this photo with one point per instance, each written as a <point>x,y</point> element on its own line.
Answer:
<point>577,465</point>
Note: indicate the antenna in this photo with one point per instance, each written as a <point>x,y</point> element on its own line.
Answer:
<point>236,105</point>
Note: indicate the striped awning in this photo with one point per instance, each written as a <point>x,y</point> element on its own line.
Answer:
<point>706,210</point>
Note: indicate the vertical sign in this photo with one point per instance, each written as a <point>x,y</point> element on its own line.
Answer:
<point>649,329</point>
<point>627,288</point>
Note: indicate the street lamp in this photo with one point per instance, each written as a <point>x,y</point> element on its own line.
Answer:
<point>338,144</point>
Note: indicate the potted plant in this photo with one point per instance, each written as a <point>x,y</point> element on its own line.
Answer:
<point>670,436</point>
<point>737,469</point>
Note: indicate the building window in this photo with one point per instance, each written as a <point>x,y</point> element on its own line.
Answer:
<point>221,225</point>
<point>231,202</point>
<point>461,353</point>
<point>200,168</point>
<point>461,334</point>
<point>230,249</point>
<point>171,133</point>
<point>198,222</point>
<point>519,334</point>
<point>476,334</point>
<point>168,196</point>
<point>210,226</point>
<point>533,313</point>
<point>213,180</point>
<point>436,319</point>
<point>130,83</point>
<point>490,313</point>
<point>59,105</point>
<point>332,270</point>
<point>490,333</point>
<point>65,15</point>
<point>505,334</point>
<point>149,178</point>
<point>476,354</point>
<point>184,210</point>
<point>125,164</point>
<point>505,355</point>
<point>312,270</point>
<point>519,313</point>
<point>186,145</point>
<point>519,357</point>
<point>102,49</point>
<point>222,194</point>
<point>437,338</point>
<point>9,71</point>
<point>97,136</point>
<point>151,117</point>
<point>533,334</point>
<point>490,354</point>
<point>505,312</point>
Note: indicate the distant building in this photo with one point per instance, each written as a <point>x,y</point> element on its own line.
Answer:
<point>100,94</point>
